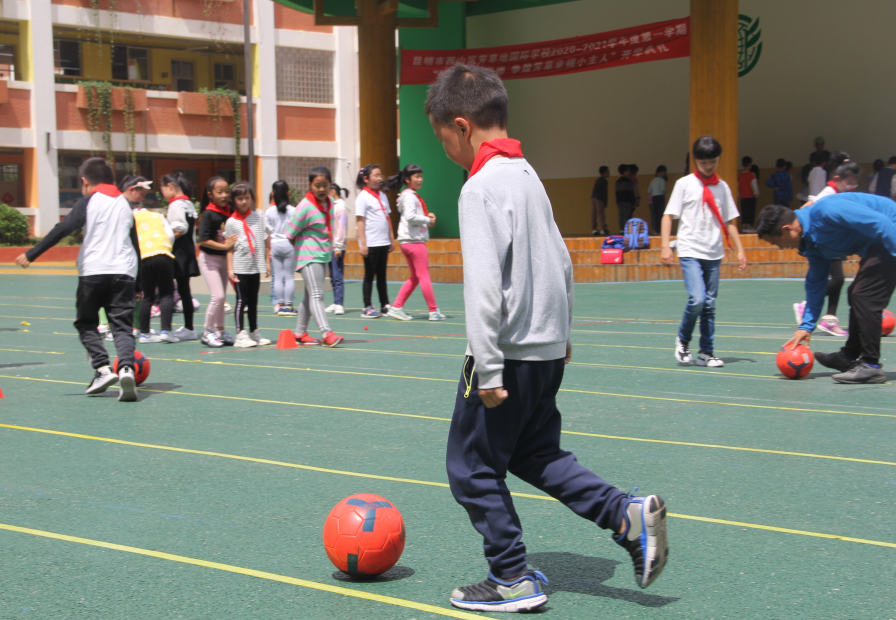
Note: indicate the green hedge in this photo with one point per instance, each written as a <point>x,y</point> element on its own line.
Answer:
<point>14,228</point>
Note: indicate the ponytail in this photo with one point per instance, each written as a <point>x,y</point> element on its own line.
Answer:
<point>401,179</point>
<point>841,166</point>
<point>280,195</point>
<point>365,173</point>
<point>180,181</point>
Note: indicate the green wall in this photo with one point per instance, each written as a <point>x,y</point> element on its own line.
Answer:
<point>443,178</point>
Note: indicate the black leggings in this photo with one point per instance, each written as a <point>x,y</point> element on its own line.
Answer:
<point>835,284</point>
<point>375,265</point>
<point>186,298</point>
<point>247,300</point>
<point>157,271</point>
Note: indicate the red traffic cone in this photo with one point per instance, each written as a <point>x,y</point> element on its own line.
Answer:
<point>1,394</point>
<point>287,340</point>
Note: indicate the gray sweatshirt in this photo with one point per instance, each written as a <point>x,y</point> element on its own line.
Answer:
<point>518,279</point>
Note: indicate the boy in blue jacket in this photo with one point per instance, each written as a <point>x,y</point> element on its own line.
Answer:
<point>836,226</point>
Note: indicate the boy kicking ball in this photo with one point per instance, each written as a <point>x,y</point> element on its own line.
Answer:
<point>518,292</point>
<point>837,226</point>
<point>705,210</point>
<point>107,273</point>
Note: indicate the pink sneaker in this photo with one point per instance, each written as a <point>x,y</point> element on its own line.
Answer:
<point>156,312</point>
<point>798,310</point>
<point>831,325</point>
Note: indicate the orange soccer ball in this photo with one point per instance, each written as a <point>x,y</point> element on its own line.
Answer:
<point>795,363</point>
<point>889,322</point>
<point>364,535</point>
<point>141,367</point>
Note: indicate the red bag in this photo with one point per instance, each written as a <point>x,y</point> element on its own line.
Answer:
<point>611,257</point>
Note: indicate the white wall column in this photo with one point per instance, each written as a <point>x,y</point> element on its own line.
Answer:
<point>266,106</point>
<point>345,84</point>
<point>43,115</point>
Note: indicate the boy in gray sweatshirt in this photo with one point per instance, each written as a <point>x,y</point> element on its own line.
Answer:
<point>518,292</point>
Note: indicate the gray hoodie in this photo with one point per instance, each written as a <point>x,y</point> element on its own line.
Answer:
<point>518,278</point>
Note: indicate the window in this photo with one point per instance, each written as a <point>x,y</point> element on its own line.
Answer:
<point>68,171</point>
<point>224,76</point>
<point>182,76</point>
<point>304,75</point>
<point>229,174</point>
<point>7,62</point>
<point>67,57</point>
<point>295,170</point>
<point>9,173</point>
<point>191,175</point>
<point>130,63</point>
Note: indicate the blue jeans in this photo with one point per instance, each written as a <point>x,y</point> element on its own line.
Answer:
<point>337,267</point>
<point>701,279</point>
<point>283,273</point>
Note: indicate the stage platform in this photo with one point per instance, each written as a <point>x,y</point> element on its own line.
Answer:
<point>445,262</point>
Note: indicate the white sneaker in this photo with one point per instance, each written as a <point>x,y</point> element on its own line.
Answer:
<point>338,309</point>
<point>128,383</point>
<point>398,313</point>
<point>103,379</point>
<point>166,337</point>
<point>179,306</point>
<point>149,338</point>
<point>209,339</point>
<point>136,332</point>
<point>226,338</point>
<point>182,333</point>
<point>244,341</point>
<point>437,316</point>
<point>330,309</point>
<point>259,340</point>
<point>227,307</point>
<point>682,351</point>
<point>705,359</point>
<point>108,337</point>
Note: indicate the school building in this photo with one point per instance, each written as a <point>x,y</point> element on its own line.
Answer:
<point>166,73</point>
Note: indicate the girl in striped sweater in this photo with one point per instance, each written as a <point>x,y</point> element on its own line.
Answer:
<point>309,231</point>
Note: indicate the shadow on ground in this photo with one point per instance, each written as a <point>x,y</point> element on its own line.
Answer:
<point>396,573</point>
<point>570,572</point>
<point>20,364</point>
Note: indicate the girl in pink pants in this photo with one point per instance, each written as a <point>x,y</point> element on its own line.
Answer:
<point>413,233</point>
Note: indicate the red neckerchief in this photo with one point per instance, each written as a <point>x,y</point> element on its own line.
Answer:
<point>500,146</point>
<point>425,210</point>
<point>710,200</point>
<point>833,185</point>
<point>250,236</point>
<point>310,197</point>
<point>181,197</point>
<point>107,189</point>
<point>378,199</point>
<point>213,207</point>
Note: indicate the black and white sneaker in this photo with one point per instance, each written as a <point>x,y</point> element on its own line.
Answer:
<point>682,351</point>
<point>102,381</point>
<point>645,537</point>
<point>708,359</point>
<point>128,383</point>
<point>522,594</point>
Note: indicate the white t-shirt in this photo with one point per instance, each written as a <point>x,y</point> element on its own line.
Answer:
<point>699,233</point>
<point>817,180</point>
<point>376,218</point>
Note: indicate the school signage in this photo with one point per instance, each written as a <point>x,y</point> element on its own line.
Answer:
<point>628,46</point>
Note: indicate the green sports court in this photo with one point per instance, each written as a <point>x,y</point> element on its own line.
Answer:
<point>207,498</point>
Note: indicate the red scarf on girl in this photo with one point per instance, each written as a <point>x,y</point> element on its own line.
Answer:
<point>106,188</point>
<point>500,146</point>
<point>250,236</point>
<point>181,197</point>
<point>833,185</point>
<point>213,207</point>
<point>310,197</point>
<point>710,200</point>
<point>377,196</point>
<point>425,210</point>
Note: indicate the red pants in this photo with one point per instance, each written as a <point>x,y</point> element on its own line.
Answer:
<point>418,263</point>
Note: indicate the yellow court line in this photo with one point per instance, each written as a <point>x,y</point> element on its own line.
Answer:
<point>24,351</point>
<point>704,373</point>
<point>37,318</point>
<point>782,338</point>
<point>661,398</point>
<point>19,297</point>
<point>631,320</point>
<point>379,598</point>
<point>432,484</point>
<point>30,306</point>
<point>629,346</point>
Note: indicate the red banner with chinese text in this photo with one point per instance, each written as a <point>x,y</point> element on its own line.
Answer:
<point>628,46</point>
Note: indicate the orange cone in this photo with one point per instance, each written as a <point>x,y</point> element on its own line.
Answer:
<point>287,340</point>
<point>1,394</point>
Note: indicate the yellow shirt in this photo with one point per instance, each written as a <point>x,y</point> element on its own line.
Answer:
<point>152,234</point>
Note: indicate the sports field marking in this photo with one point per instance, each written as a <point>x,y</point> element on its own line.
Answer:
<point>389,600</point>
<point>30,306</point>
<point>660,398</point>
<point>44,352</point>
<point>441,419</point>
<point>781,339</point>
<point>430,483</point>
<point>629,346</point>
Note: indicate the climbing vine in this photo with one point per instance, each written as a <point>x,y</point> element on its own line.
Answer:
<point>99,113</point>
<point>99,119</point>
<point>213,99</point>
